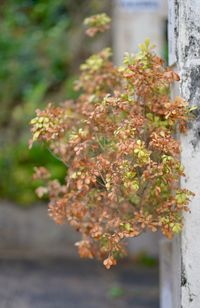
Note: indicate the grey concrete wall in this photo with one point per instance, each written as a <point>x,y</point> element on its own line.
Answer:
<point>188,56</point>
<point>32,232</point>
<point>185,49</point>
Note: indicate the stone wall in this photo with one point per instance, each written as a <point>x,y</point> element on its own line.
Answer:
<point>31,232</point>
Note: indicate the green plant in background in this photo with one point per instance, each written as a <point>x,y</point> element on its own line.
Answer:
<point>116,292</point>
<point>40,50</point>
<point>16,165</point>
<point>144,259</point>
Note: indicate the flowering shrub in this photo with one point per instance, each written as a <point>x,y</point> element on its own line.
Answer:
<point>97,23</point>
<point>118,144</point>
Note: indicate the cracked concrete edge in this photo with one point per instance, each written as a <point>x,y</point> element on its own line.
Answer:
<point>188,63</point>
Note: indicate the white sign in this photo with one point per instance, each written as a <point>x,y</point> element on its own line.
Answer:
<point>140,5</point>
<point>171,32</point>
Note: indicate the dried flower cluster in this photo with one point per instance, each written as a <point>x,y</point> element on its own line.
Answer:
<point>117,141</point>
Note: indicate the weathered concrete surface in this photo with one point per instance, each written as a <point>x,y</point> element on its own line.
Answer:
<point>32,232</point>
<point>187,30</point>
<point>70,283</point>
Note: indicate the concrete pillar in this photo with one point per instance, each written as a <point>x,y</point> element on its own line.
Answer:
<point>165,274</point>
<point>188,63</point>
<point>169,270</point>
<point>184,39</point>
<point>136,20</point>
<point>133,22</point>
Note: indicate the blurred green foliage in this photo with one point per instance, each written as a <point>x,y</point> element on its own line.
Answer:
<point>144,259</point>
<point>116,292</point>
<point>41,47</point>
<point>17,164</point>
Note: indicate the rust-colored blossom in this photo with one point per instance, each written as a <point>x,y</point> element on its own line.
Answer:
<point>118,147</point>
